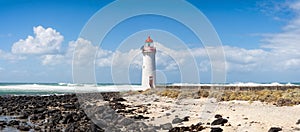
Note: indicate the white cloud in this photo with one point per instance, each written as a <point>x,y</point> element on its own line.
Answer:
<point>53,59</point>
<point>45,41</point>
<point>10,57</point>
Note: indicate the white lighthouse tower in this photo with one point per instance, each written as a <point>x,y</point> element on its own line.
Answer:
<point>149,67</point>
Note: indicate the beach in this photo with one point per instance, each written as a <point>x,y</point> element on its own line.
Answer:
<point>171,110</point>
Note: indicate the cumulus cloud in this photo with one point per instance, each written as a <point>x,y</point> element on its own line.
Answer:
<point>53,59</point>
<point>44,41</point>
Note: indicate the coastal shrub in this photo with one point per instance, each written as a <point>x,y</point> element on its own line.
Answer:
<point>279,97</point>
<point>190,93</point>
<point>149,92</point>
<point>169,93</point>
<point>203,93</point>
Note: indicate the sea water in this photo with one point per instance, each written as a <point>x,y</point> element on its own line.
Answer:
<point>61,88</point>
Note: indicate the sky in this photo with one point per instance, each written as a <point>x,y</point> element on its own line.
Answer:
<point>260,40</point>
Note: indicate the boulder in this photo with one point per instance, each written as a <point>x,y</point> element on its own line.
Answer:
<point>186,118</point>
<point>298,122</point>
<point>275,129</point>
<point>69,106</point>
<point>24,127</point>
<point>219,121</point>
<point>216,129</point>
<point>218,116</point>
<point>177,120</point>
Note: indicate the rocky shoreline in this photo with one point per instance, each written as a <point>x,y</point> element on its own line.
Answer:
<point>83,112</point>
<point>44,113</point>
<point>98,112</point>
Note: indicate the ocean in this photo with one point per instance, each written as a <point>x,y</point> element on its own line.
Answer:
<point>64,88</point>
<point>61,88</point>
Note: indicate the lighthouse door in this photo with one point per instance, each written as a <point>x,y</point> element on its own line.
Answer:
<point>151,81</point>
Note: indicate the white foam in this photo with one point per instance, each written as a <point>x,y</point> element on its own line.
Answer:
<point>71,88</point>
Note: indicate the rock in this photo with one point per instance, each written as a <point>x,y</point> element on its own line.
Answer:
<point>39,110</point>
<point>296,129</point>
<point>298,122</point>
<point>186,118</point>
<point>34,117</point>
<point>219,121</point>
<point>13,122</point>
<point>192,128</point>
<point>24,115</point>
<point>139,117</point>
<point>166,126</point>
<point>176,120</point>
<point>68,119</point>
<point>119,100</point>
<point>71,127</point>
<point>2,123</point>
<point>168,114</point>
<point>216,129</point>
<point>37,128</point>
<point>218,116</point>
<point>69,106</point>
<point>24,127</point>
<point>180,129</point>
<point>275,129</point>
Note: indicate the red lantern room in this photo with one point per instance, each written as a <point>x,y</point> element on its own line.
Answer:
<point>149,40</point>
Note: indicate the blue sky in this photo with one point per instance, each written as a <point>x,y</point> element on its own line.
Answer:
<point>259,38</point>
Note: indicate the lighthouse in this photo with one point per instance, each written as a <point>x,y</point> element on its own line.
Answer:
<point>149,67</point>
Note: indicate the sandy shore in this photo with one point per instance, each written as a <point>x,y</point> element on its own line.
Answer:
<point>242,116</point>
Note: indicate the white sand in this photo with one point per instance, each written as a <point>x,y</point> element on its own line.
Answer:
<point>243,116</point>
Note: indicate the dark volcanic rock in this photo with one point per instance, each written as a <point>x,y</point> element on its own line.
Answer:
<point>2,123</point>
<point>24,115</point>
<point>219,121</point>
<point>118,100</point>
<point>298,122</point>
<point>275,129</point>
<point>186,118</point>
<point>13,122</point>
<point>176,120</point>
<point>71,127</point>
<point>179,129</point>
<point>68,119</point>
<point>218,116</point>
<point>192,128</point>
<point>69,106</point>
<point>24,127</point>
<point>139,117</point>
<point>216,129</point>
